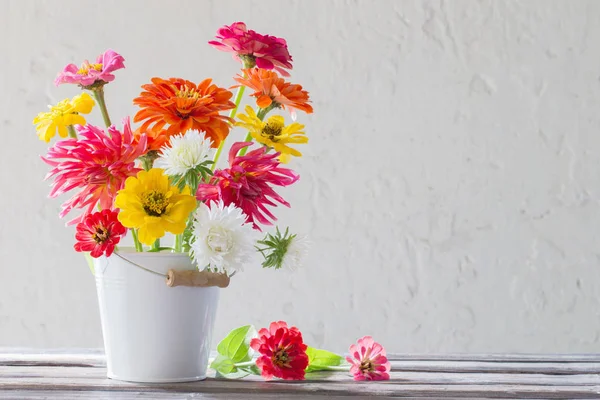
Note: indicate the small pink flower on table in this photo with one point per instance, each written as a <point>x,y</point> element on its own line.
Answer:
<point>368,359</point>
<point>89,74</point>
<point>264,51</point>
<point>99,233</point>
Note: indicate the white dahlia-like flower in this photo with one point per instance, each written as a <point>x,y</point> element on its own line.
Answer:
<point>296,251</point>
<point>184,152</point>
<point>283,250</point>
<point>221,238</point>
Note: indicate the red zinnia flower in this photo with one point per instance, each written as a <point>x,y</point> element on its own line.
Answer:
<point>99,233</point>
<point>247,183</point>
<point>267,52</point>
<point>283,353</point>
<point>97,163</point>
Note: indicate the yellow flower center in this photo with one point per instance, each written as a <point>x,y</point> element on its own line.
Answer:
<point>187,93</point>
<point>272,129</point>
<point>219,239</point>
<point>100,235</point>
<point>86,66</point>
<point>155,203</point>
<point>281,358</point>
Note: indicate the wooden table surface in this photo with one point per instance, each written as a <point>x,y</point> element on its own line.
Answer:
<point>78,374</point>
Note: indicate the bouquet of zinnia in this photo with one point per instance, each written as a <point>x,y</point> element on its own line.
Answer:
<point>161,177</point>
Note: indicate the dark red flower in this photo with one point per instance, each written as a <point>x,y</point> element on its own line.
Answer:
<point>247,183</point>
<point>99,233</point>
<point>283,353</point>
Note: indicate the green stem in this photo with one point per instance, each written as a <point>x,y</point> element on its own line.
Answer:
<point>179,243</point>
<point>238,98</point>
<point>245,364</point>
<point>99,96</point>
<point>260,114</point>
<point>156,245</point>
<point>71,130</point>
<point>337,368</point>
<point>138,245</point>
<point>147,163</point>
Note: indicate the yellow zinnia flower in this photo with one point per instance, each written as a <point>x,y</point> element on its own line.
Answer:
<point>149,203</point>
<point>274,133</point>
<point>65,113</point>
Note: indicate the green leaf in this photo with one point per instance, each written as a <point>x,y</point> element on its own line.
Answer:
<point>319,360</point>
<point>236,345</point>
<point>90,262</point>
<point>253,369</point>
<point>223,365</point>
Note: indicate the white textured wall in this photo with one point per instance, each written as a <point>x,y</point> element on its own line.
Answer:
<point>450,185</point>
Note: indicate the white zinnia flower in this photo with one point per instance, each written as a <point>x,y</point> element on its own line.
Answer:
<point>184,153</point>
<point>296,251</point>
<point>221,238</point>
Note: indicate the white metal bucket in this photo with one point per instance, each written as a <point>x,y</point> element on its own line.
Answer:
<point>152,332</point>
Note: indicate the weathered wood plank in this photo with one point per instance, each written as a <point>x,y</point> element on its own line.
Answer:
<point>77,355</point>
<point>75,374</point>
<point>400,377</point>
<point>116,395</point>
<point>311,388</point>
<point>464,366</point>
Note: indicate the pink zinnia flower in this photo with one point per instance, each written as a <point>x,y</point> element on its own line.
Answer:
<point>247,183</point>
<point>283,352</point>
<point>99,233</point>
<point>268,52</point>
<point>97,163</point>
<point>369,362</point>
<point>88,74</point>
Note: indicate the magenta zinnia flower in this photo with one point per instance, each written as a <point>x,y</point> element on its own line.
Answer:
<point>247,183</point>
<point>88,74</point>
<point>370,362</point>
<point>267,52</point>
<point>97,164</point>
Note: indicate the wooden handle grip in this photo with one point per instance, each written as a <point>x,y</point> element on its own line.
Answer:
<point>196,278</point>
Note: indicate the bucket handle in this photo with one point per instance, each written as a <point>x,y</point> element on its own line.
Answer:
<point>194,278</point>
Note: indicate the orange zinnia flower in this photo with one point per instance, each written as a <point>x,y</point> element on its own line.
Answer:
<point>269,88</point>
<point>183,105</point>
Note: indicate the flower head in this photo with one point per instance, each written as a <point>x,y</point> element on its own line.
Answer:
<point>271,90</point>
<point>283,250</point>
<point>184,153</point>
<point>221,238</point>
<point>91,75</point>
<point>283,352</point>
<point>175,106</point>
<point>248,182</point>
<point>65,113</point>
<point>149,203</point>
<point>264,51</point>
<point>274,133</point>
<point>97,163</point>
<point>99,233</point>
<point>368,360</point>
